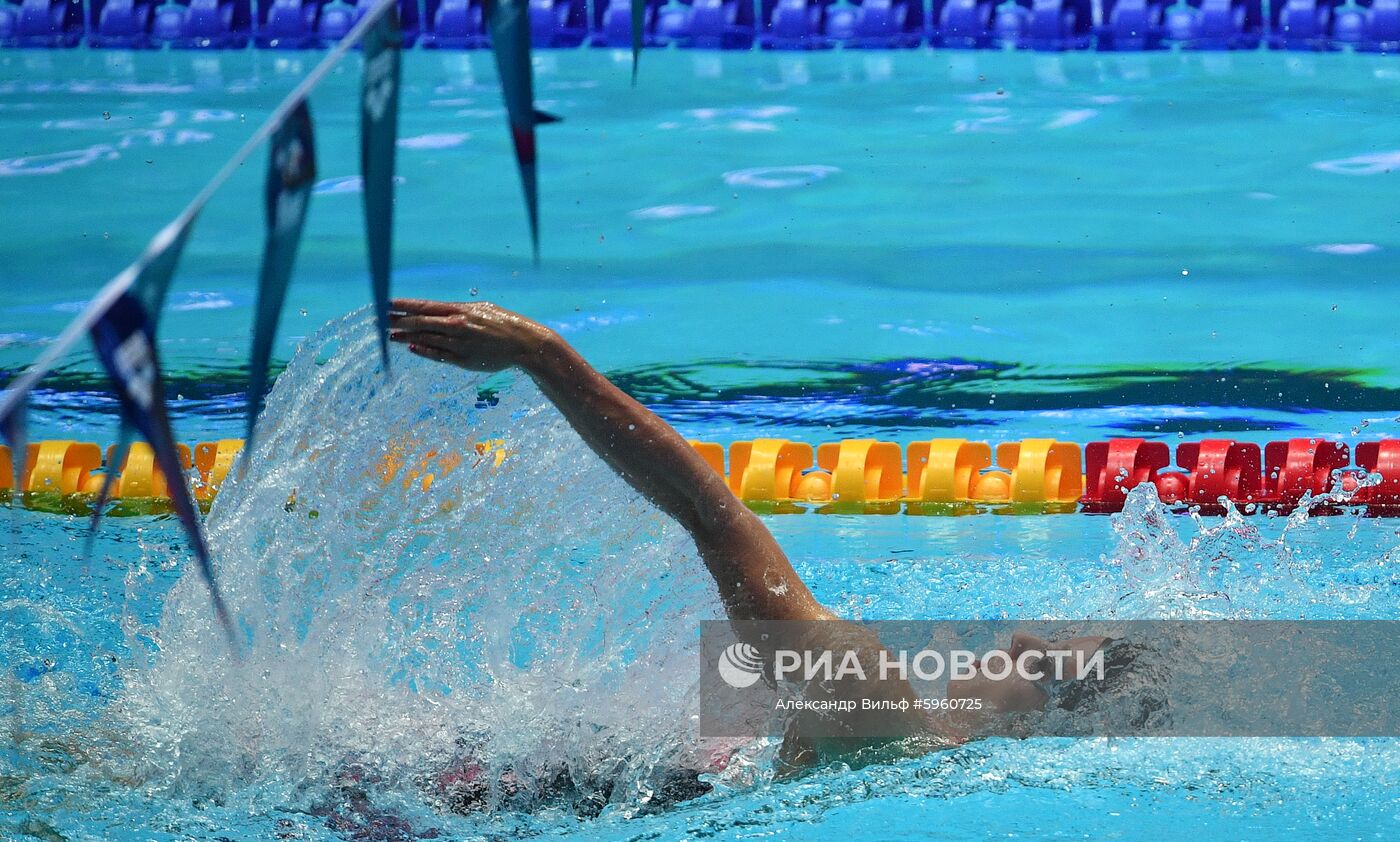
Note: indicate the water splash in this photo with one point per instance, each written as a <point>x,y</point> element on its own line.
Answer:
<point>424,579</point>
<point>1249,566</point>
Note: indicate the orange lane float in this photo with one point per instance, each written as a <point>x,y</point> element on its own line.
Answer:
<point>933,476</point>
<point>212,461</point>
<point>712,453</point>
<point>949,471</point>
<point>138,477</point>
<point>866,475</point>
<point>769,470</point>
<point>60,467</point>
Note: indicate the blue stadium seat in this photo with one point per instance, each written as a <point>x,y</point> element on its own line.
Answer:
<point>873,24</point>
<point>1132,25</point>
<point>203,24</point>
<point>1302,25</point>
<point>41,23</point>
<point>793,25</point>
<point>558,23</point>
<point>1050,25</point>
<point>454,24</point>
<point>124,24</point>
<point>287,24</point>
<point>1216,24</point>
<point>962,23</point>
<point>1368,25</point>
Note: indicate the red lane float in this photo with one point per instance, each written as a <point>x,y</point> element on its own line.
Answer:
<point>1383,458</point>
<point>1220,469</point>
<point>1299,467</point>
<point>1117,466</point>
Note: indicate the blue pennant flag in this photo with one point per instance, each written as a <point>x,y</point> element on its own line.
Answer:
<point>125,342</point>
<point>379,130</point>
<point>115,465</point>
<point>13,430</point>
<point>151,286</point>
<point>291,174</point>
<point>510,42</point>
<point>639,19</point>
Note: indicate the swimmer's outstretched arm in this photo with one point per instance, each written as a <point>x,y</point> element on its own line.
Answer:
<point>755,579</point>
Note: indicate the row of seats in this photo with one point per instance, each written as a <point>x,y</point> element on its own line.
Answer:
<point>867,475</point>
<point>1372,25</point>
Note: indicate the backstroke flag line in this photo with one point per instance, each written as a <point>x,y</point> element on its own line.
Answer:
<point>639,18</point>
<point>291,173</point>
<point>379,130</point>
<point>125,342</point>
<point>143,284</point>
<point>510,42</point>
<point>13,397</point>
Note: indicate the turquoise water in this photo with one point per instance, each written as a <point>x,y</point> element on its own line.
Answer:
<point>996,244</point>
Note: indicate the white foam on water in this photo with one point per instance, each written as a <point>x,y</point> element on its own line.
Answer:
<point>1072,117</point>
<point>673,211</point>
<point>195,300</point>
<point>1372,163</point>
<point>770,178</point>
<point>345,184</point>
<point>441,140</point>
<point>528,608</point>
<point>57,162</point>
<point>1345,248</point>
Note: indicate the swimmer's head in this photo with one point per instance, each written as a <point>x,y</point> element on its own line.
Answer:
<point>1003,696</point>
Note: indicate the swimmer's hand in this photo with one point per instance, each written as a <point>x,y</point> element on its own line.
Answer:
<point>475,335</point>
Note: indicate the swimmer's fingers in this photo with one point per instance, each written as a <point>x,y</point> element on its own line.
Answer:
<point>446,342</point>
<point>427,324</point>
<point>455,350</point>
<point>431,353</point>
<point>424,307</point>
<point>424,345</point>
<point>422,338</point>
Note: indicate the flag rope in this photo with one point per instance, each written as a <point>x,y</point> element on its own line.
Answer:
<point>122,282</point>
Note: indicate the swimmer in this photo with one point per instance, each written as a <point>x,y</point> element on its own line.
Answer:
<point>754,577</point>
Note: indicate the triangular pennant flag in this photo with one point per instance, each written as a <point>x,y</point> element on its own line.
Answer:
<point>151,286</point>
<point>379,130</point>
<point>639,19</point>
<point>109,479</point>
<point>14,430</point>
<point>510,42</point>
<point>291,173</point>
<point>125,342</point>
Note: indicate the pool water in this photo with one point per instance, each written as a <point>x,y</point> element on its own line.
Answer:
<point>900,245</point>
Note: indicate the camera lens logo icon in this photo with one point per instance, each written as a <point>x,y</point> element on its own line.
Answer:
<point>740,666</point>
